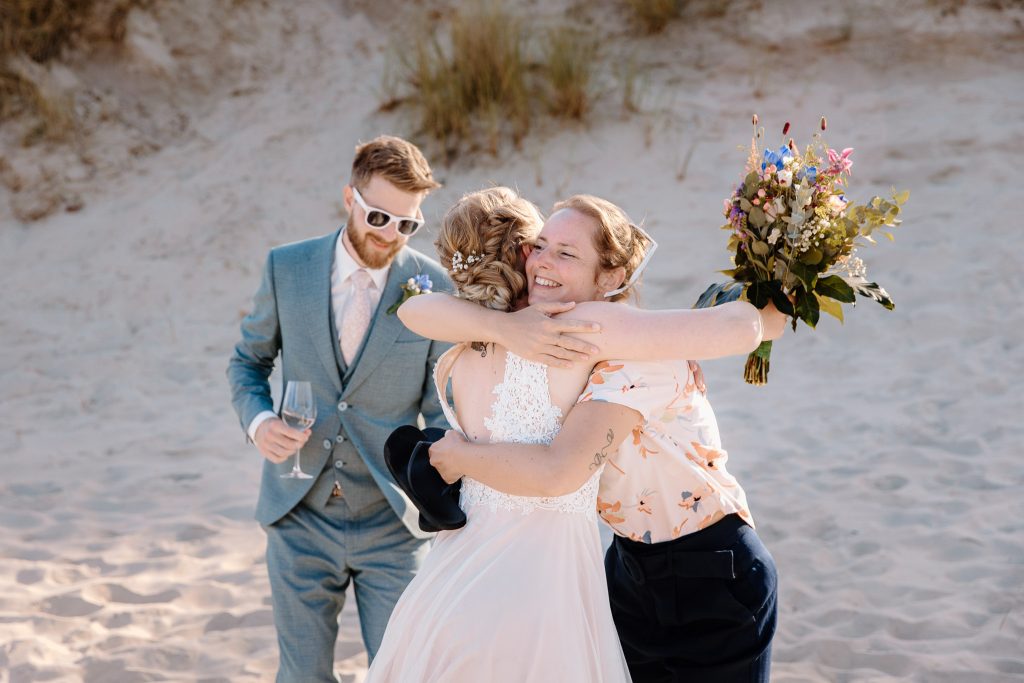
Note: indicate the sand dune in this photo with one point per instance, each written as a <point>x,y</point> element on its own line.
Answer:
<point>883,460</point>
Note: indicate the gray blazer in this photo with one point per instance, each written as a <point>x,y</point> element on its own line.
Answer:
<point>388,384</point>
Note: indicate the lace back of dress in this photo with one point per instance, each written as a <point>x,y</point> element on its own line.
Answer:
<point>522,411</point>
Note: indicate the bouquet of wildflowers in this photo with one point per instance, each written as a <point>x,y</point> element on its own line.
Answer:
<point>794,236</point>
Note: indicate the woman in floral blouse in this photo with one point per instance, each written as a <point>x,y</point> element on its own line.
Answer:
<point>693,589</point>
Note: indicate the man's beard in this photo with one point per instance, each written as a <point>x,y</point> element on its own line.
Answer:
<point>372,258</point>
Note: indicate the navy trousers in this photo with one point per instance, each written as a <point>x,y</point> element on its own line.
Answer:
<point>699,608</point>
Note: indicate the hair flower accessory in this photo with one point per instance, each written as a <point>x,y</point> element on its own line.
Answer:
<point>462,263</point>
<point>414,286</point>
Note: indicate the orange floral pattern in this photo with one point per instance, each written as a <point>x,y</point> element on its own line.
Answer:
<point>685,486</point>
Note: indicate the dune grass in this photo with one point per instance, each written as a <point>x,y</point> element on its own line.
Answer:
<point>472,87</point>
<point>39,31</point>
<point>652,16</point>
<point>568,63</point>
<point>488,77</point>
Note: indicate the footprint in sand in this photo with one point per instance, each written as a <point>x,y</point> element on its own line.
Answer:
<point>104,593</point>
<point>891,482</point>
<point>864,548</point>
<point>225,621</point>
<point>29,576</point>
<point>194,532</point>
<point>70,605</point>
<point>183,476</point>
<point>926,629</point>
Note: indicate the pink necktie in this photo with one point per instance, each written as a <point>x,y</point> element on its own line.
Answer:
<point>357,314</point>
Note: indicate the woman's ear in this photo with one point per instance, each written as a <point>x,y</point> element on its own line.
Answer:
<point>527,249</point>
<point>612,279</point>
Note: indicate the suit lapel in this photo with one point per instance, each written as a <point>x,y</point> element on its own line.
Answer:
<point>385,327</point>
<point>317,281</point>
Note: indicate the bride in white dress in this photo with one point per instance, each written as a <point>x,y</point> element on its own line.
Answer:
<point>519,593</point>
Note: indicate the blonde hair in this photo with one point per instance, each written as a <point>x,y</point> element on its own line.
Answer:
<point>398,161</point>
<point>480,244</point>
<point>619,243</point>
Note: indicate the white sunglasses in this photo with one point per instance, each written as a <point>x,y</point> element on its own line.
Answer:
<point>639,269</point>
<point>381,219</point>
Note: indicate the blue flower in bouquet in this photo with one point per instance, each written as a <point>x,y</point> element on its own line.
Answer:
<point>776,159</point>
<point>810,172</point>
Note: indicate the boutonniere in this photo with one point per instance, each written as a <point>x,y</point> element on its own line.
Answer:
<point>414,286</point>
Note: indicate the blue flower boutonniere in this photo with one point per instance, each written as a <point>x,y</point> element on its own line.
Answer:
<point>414,286</point>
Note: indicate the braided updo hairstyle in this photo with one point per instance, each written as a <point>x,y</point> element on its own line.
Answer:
<point>619,243</point>
<point>480,244</point>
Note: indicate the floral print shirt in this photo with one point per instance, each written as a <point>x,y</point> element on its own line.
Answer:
<point>668,478</point>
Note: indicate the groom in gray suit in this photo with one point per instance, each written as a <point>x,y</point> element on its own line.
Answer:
<point>323,305</point>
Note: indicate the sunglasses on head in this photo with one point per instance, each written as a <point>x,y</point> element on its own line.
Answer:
<point>380,219</point>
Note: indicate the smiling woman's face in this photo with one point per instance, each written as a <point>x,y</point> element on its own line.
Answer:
<point>564,264</point>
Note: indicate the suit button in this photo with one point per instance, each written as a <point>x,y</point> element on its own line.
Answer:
<point>342,406</point>
<point>338,464</point>
<point>327,444</point>
<point>340,438</point>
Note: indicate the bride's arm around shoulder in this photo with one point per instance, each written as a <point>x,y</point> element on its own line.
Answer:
<point>530,333</point>
<point>679,334</point>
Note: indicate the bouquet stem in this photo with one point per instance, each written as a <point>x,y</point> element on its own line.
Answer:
<point>756,370</point>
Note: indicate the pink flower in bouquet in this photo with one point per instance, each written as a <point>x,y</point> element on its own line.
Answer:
<point>836,204</point>
<point>840,162</point>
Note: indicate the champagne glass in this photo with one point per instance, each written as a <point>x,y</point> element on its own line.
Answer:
<point>298,410</point>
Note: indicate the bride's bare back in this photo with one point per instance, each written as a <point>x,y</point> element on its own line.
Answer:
<point>475,374</point>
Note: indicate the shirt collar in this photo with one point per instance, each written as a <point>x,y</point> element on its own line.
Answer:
<point>347,265</point>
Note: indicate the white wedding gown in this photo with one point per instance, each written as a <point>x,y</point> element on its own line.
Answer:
<point>519,593</point>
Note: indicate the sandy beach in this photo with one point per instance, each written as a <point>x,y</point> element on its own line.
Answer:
<point>883,461</point>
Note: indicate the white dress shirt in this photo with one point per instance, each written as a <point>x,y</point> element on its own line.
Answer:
<point>341,271</point>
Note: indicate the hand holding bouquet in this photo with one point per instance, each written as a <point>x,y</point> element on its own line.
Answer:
<point>794,236</point>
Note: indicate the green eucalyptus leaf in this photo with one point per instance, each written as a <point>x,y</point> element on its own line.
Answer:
<point>760,248</point>
<point>835,287</point>
<point>745,205</point>
<point>757,217</point>
<point>751,183</point>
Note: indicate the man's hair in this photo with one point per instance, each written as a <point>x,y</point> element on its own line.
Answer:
<point>396,160</point>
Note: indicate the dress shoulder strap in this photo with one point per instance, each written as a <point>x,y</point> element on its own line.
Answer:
<point>442,373</point>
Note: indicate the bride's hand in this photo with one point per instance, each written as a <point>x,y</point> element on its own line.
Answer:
<point>444,456</point>
<point>533,334</point>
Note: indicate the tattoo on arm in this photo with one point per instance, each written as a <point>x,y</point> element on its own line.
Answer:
<point>602,454</point>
